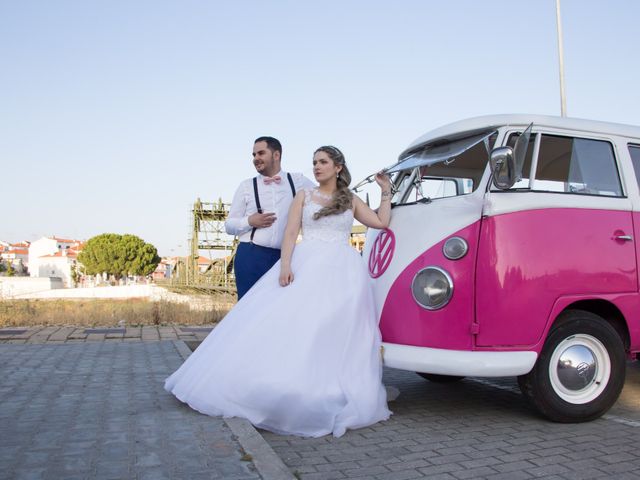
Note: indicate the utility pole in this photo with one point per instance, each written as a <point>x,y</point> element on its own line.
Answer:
<point>563,100</point>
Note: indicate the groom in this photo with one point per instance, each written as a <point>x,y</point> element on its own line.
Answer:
<point>258,214</point>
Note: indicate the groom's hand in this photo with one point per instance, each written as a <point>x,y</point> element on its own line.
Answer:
<point>262,220</point>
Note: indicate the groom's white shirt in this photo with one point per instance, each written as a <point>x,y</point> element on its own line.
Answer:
<point>275,197</point>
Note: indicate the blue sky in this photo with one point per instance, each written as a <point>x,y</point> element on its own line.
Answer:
<point>116,115</point>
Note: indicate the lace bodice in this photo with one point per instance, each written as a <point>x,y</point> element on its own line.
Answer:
<point>332,228</point>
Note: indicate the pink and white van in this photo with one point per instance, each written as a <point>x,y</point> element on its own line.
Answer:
<point>511,252</point>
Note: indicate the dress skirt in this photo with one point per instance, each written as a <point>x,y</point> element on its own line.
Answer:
<point>303,359</point>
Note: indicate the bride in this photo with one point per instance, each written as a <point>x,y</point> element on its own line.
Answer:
<point>300,352</point>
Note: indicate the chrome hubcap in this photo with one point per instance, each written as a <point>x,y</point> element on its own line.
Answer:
<point>576,367</point>
<point>579,369</point>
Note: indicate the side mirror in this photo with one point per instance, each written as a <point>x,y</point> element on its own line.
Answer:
<point>503,167</point>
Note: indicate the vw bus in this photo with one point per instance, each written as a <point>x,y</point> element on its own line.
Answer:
<point>511,252</point>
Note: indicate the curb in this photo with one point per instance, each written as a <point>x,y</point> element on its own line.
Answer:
<point>267,462</point>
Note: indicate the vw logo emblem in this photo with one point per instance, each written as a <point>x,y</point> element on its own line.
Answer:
<point>583,369</point>
<point>381,253</point>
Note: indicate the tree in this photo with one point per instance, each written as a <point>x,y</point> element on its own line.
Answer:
<point>76,273</point>
<point>118,255</point>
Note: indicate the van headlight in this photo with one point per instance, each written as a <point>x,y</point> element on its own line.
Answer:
<point>432,288</point>
<point>455,248</point>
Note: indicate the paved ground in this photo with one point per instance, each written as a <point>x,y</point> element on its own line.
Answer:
<point>98,410</point>
<point>476,428</point>
<point>18,335</point>
<point>91,405</point>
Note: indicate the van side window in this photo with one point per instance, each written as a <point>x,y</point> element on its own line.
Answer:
<point>577,165</point>
<point>634,151</point>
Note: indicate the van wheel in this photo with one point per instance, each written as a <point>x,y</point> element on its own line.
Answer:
<point>580,371</point>
<point>432,377</point>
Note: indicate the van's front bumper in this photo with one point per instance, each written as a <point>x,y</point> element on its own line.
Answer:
<point>458,362</point>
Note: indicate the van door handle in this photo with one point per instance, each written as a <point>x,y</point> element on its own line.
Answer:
<point>624,238</point>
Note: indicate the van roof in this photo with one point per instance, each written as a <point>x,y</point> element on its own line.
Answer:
<point>487,122</point>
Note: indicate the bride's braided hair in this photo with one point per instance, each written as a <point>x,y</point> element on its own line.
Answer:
<point>342,199</point>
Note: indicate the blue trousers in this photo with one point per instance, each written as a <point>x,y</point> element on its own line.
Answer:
<point>251,263</point>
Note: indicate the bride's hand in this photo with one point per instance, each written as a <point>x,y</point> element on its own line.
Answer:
<point>383,180</point>
<point>286,276</point>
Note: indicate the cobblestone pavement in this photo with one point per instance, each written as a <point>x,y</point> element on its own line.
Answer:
<point>92,406</point>
<point>19,335</point>
<point>472,429</point>
<point>98,410</point>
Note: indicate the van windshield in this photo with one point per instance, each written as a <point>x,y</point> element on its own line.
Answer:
<point>441,169</point>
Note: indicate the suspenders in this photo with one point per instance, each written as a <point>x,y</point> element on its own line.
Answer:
<point>257,197</point>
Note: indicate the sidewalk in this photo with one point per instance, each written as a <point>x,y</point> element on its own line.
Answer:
<point>78,405</point>
<point>22,335</point>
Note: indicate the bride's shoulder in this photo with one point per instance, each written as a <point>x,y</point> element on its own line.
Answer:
<point>356,201</point>
<point>306,193</point>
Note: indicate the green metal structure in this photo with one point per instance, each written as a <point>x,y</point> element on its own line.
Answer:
<point>207,233</point>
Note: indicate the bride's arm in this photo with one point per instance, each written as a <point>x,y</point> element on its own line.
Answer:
<point>294,221</point>
<point>379,218</point>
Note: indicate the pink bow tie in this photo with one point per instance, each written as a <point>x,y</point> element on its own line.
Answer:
<point>270,180</point>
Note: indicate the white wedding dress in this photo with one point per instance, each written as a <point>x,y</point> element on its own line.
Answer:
<point>302,359</point>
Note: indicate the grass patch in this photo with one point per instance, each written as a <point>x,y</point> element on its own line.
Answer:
<point>104,313</point>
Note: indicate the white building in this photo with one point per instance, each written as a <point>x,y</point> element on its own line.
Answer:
<point>17,257</point>
<point>54,257</point>
<point>15,254</point>
<point>60,264</point>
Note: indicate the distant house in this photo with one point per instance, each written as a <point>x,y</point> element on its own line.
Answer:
<point>203,263</point>
<point>17,258</point>
<point>15,254</point>
<point>357,237</point>
<point>60,264</point>
<point>164,268</point>
<point>168,266</point>
<point>54,257</point>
